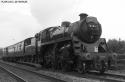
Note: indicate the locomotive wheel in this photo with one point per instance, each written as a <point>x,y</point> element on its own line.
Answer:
<point>65,66</point>
<point>66,62</point>
<point>102,67</point>
<point>109,64</point>
<point>47,59</point>
<point>81,68</point>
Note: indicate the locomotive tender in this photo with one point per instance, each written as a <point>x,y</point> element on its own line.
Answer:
<point>71,46</point>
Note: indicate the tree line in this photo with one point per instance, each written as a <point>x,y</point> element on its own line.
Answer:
<point>117,46</point>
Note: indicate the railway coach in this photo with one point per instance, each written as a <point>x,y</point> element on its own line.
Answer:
<point>21,51</point>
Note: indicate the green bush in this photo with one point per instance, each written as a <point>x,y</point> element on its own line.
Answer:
<point>117,46</point>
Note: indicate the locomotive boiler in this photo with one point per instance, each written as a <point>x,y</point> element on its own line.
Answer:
<point>71,46</point>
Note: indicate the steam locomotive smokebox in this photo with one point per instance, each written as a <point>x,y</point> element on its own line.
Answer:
<point>89,31</point>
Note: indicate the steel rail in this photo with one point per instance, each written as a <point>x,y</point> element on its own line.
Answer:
<point>92,75</point>
<point>14,76</point>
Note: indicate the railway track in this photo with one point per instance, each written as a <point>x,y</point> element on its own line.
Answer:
<point>107,77</point>
<point>23,75</point>
<point>92,76</point>
<point>14,76</point>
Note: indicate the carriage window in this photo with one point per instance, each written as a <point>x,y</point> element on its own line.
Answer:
<point>38,37</point>
<point>20,46</point>
<point>28,41</point>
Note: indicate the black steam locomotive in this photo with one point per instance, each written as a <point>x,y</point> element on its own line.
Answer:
<point>71,46</point>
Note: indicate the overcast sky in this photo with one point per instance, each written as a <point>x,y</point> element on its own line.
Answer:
<point>21,20</point>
